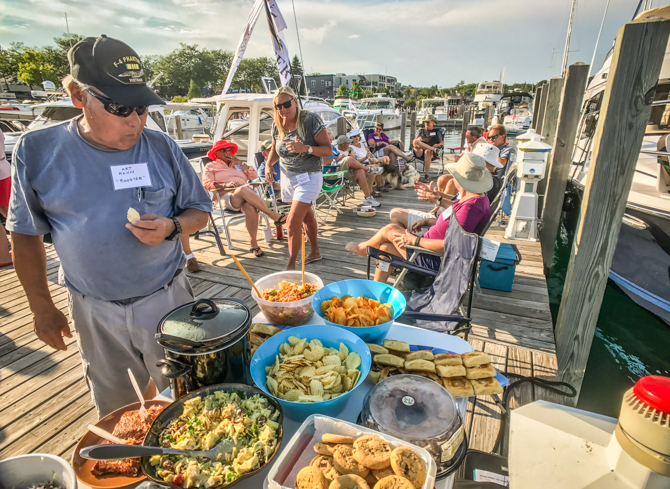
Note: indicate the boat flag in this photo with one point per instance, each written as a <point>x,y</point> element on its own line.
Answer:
<point>277,25</point>
<point>242,45</point>
<point>352,106</point>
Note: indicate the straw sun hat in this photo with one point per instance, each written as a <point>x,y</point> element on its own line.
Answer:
<point>470,172</point>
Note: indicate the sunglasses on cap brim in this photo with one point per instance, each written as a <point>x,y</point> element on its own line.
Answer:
<point>285,105</point>
<point>114,108</point>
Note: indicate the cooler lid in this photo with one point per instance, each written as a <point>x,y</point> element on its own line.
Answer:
<point>411,407</point>
<point>506,253</point>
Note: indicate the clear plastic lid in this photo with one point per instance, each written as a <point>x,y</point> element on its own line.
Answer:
<point>417,410</point>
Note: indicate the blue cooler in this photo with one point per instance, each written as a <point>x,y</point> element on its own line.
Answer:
<point>499,274</point>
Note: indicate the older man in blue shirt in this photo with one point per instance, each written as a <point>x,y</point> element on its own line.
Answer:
<point>77,181</point>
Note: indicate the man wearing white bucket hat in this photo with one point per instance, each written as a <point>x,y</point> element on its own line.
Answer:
<point>473,210</point>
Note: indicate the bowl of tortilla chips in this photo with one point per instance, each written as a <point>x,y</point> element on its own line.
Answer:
<point>364,307</point>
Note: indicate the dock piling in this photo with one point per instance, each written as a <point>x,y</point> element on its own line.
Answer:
<point>536,107</point>
<point>403,127</point>
<point>341,126</point>
<point>558,165</point>
<point>636,64</point>
<point>539,116</point>
<point>412,126</point>
<point>550,119</point>
<point>464,128</point>
<point>177,126</point>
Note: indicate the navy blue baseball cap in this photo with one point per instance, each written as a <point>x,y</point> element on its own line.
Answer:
<point>114,68</point>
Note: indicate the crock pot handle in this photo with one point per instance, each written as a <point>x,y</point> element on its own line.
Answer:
<point>200,309</point>
<point>177,341</point>
<point>173,369</point>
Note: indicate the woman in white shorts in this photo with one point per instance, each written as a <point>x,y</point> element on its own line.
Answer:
<point>299,142</point>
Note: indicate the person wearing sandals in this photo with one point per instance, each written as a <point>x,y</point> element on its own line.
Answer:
<point>228,177</point>
<point>472,211</point>
<point>362,154</point>
<point>5,190</point>
<point>300,142</point>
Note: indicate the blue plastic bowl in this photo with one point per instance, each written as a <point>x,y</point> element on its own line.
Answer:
<point>330,337</point>
<point>370,289</point>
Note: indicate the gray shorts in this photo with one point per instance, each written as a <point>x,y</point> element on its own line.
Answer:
<point>113,338</point>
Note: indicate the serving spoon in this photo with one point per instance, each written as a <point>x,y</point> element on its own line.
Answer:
<point>115,452</point>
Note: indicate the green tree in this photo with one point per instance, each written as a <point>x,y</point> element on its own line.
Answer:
<point>341,90</point>
<point>193,91</point>
<point>57,55</point>
<point>410,103</point>
<point>407,92</point>
<point>9,61</point>
<point>355,89</point>
<point>178,99</point>
<point>33,70</point>
<point>189,62</point>
<point>297,74</point>
<point>251,70</point>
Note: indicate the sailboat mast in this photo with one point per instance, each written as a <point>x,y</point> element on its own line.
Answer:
<point>567,39</point>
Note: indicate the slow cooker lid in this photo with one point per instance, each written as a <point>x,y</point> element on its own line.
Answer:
<point>207,319</point>
<point>414,406</point>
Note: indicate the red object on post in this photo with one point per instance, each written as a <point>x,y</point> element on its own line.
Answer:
<point>654,391</point>
<point>280,233</point>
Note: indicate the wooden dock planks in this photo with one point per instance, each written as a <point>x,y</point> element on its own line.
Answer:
<point>45,405</point>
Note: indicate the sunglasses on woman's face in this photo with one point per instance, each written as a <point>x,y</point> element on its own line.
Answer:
<point>285,105</point>
<point>114,108</point>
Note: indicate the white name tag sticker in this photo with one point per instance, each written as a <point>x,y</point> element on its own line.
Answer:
<point>447,213</point>
<point>383,266</point>
<point>302,178</point>
<point>131,176</point>
<point>432,134</point>
<point>238,168</point>
<point>376,137</point>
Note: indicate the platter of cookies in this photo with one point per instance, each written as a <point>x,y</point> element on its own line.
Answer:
<point>328,453</point>
<point>463,375</point>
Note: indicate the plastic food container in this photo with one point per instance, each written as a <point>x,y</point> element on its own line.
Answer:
<point>36,468</point>
<point>299,452</point>
<point>330,337</point>
<point>294,313</point>
<point>421,412</point>
<point>370,289</point>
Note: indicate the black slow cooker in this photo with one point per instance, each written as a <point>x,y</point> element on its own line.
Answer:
<point>205,343</point>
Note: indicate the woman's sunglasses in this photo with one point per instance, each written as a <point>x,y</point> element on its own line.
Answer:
<point>285,105</point>
<point>114,108</point>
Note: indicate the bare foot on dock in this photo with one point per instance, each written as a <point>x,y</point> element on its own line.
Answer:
<point>357,248</point>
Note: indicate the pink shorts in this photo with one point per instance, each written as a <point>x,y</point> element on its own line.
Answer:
<point>5,191</point>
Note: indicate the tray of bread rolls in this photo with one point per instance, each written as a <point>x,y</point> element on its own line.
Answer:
<point>463,375</point>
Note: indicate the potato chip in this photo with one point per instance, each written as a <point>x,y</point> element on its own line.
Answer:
<point>352,361</point>
<point>132,215</point>
<point>306,371</point>
<point>356,311</point>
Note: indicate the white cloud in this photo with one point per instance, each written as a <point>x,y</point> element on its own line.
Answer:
<point>317,34</point>
<point>353,36</point>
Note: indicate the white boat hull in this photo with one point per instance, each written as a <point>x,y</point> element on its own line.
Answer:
<point>515,126</point>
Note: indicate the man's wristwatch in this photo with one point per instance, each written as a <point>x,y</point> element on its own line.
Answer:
<point>177,231</point>
<point>439,201</point>
<point>310,150</point>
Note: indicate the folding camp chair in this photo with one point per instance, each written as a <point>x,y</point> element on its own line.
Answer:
<point>332,184</point>
<point>227,217</point>
<point>210,231</point>
<point>438,154</point>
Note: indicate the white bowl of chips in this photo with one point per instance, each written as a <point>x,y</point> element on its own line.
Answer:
<point>287,375</point>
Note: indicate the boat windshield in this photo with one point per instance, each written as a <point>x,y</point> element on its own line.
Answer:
<point>376,104</point>
<point>432,103</point>
<point>54,114</point>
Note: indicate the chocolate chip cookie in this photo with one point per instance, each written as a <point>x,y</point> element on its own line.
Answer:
<point>394,482</point>
<point>345,463</point>
<point>407,464</point>
<point>372,452</point>
<point>311,478</point>
<point>349,481</point>
<point>337,439</point>
<point>325,463</point>
<point>324,448</point>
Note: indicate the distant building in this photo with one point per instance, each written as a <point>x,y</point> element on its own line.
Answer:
<point>377,81</point>
<point>325,86</point>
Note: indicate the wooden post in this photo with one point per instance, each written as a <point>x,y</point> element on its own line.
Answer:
<point>636,63</point>
<point>540,113</point>
<point>549,127</point>
<point>464,128</point>
<point>536,107</point>
<point>379,119</point>
<point>551,109</point>
<point>341,126</point>
<point>558,164</point>
<point>177,124</point>
<point>403,127</point>
<point>412,126</point>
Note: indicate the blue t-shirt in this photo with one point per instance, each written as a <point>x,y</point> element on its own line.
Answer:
<point>63,185</point>
<point>506,151</point>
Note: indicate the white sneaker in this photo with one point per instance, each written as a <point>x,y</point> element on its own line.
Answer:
<point>371,202</point>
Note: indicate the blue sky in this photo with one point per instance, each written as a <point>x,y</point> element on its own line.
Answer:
<point>421,42</point>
